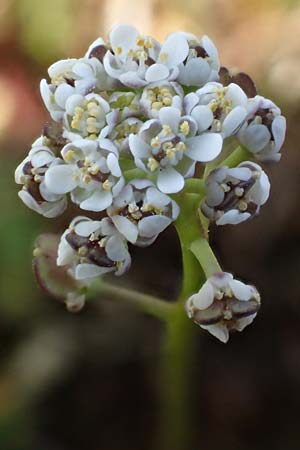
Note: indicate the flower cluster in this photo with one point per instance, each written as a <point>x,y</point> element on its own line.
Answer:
<point>223,304</point>
<point>132,120</point>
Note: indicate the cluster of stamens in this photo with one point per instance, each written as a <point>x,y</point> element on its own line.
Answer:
<point>88,116</point>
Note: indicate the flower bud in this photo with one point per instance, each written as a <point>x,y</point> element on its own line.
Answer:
<point>223,304</point>
<point>235,195</point>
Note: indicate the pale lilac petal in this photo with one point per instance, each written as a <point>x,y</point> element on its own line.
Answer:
<point>205,147</point>
<point>113,165</point>
<point>139,148</point>
<point>170,181</point>
<point>127,228</point>
<point>205,297</point>
<point>61,179</point>
<point>98,201</point>
<point>156,198</point>
<point>170,116</point>
<point>240,290</point>
<point>256,137</point>
<point>87,227</point>
<point>195,73</point>
<point>219,331</point>
<point>233,217</point>
<point>236,95</point>
<point>62,93</point>
<point>153,225</point>
<point>234,120</point>
<point>115,249</point>
<point>156,72</point>
<point>204,117</point>
<point>174,50</point>
<point>278,131</point>
<point>84,271</point>
<point>123,38</point>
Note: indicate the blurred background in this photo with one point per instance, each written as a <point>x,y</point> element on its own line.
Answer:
<point>91,381</point>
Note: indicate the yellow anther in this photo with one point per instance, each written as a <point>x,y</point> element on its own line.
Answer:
<point>92,129</point>
<point>106,185</point>
<point>185,128</point>
<point>167,101</point>
<point>75,124</point>
<point>78,110</point>
<point>170,153</point>
<point>163,57</point>
<point>242,205</point>
<point>148,43</point>
<point>37,252</point>
<point>155,142</point>
<point>87,179</point>
<point>68,157</point>
<point>152,164</point>
<point>119,50</point>
<point>82,251</point>
<point>140,42</point>
<point>167,130</point>
<point>157,105</point>
<point>181,146</point>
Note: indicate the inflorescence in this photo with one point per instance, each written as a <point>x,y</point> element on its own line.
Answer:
<point>132,121</point>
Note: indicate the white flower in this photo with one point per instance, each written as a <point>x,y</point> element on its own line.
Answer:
<point>223,304</point>
<point>141,212</point>
<point>92,248</point>
<point>31,173</point>
<point>201,64</point>
<point>127,103</point>
<point>89,116</point>
<point>235,195</point>
<point>264,132</point>
<point>137,60</point>
<point>157,95</point>
<point>120,133</point>
<point>131,56</point>
<point>169,142</point>
<point>90,171</point>
<point>217,108</point>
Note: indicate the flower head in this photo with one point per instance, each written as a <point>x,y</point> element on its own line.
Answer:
<point>264,131</point>
<point>31,174</point>
<point>170,146</point>
<point>235,195</point>
<point>141,212</point>
<point>223,304</point>
<point>201,64</point>
<point>92,248</point>
<point>90,171</point>
<point>217,108</point>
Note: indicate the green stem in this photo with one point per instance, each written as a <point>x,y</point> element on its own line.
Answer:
<point>179,351</point>
<point>239,155</point>
<point>143,302</point>
<point>204,254</point>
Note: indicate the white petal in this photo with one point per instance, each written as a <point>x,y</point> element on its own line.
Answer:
<point>61,179</point>
<point>132,79</point>
<point>62,93</point>
<point>170,116</point>
<point>156,198</point>
<point>203,116</point>
<point>98,201</point>
<point>196,72</point>
<point>123,38</point>
<point>84,271</point>
<point>233,217</point>
<point>42,158</point>
<point>236,95</point>
<point>278,131</point>
<point>205,147</point>
<point>87,227</point>
<point>156,72</point>
<point>240,290</point>
<point>174,50</point>
<point>256,137</point>
<point>205,297</point>
<point>234,120</point>
<point>170,181</point>
<point>219,331</point>
<point>153,225</point>
<point>126,228</point>
<point>138,147</point>
<point>241,324</point>
<point>113,165</point>
<point>29,201</point>
<point>115,249</point>
<point>65,253</point>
